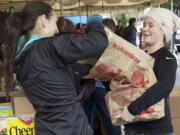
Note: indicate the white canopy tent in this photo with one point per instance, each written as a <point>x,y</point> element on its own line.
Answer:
<point>76,7</point>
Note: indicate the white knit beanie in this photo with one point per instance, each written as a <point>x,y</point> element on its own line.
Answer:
<point>168,21</point>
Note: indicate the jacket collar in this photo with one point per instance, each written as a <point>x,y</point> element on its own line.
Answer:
<point>21,46</point>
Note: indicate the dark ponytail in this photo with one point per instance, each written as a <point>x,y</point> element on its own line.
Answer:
<point>11,35</point>
<point>21,23</point>
<point>31,12</point>
<point>12,32</point>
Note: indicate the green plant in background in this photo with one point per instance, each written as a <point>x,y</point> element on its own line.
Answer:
<point>125,19</point>
<point>176,4</point>
<point>122,17</point>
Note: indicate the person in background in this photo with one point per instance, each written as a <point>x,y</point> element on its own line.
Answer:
<point>79,29</point>
<point>120,28</point>
<point>65,26</point>
<point>157,32</point>
<point>3,17</point>
<point>110,24</point>
<point>98,98</point>
<point>130,32</point>
<point>42,63</point>
<point>84,87</point>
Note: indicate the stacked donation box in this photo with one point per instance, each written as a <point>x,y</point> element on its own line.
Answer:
<point>174,102</point>
<point>17,117</point>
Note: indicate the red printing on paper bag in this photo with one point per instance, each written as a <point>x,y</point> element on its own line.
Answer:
<point>116,113</point>
<point>126,53</point>
<point>104,69</point>
<point>148,111</point>
<point>137,79</point>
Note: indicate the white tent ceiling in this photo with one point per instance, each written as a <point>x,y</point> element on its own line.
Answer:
<point>87,6</point>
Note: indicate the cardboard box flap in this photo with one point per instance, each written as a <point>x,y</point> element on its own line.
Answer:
<point>5,104</point>
<point>21,104</point>
<point>175,92</point>
<point>6,110</point>
<point>176,123</point>
<point>19,93</point>
<point>174,101</point>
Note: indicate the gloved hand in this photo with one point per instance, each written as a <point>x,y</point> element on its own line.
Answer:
<point>127,116</point>
<point>95,18</point>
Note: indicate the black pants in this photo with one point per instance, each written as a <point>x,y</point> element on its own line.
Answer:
<point>70,120</point>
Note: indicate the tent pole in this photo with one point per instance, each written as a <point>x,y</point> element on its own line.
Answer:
<point>87,11</point>
<point>102,6</point>
<point>80,11</point>
<point>61,6</point>
<point>159,4</point>
<point>172,2</point>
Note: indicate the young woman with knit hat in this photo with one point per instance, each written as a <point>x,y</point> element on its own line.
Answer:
<point>159,25</point>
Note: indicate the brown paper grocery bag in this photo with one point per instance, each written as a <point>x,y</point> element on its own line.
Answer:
<point>120,60</point>
<point>125,97</point>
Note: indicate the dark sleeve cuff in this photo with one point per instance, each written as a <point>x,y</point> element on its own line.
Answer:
<point>133,110</point>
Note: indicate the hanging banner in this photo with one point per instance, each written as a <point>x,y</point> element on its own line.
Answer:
<point>112,1</point>
<point>88,2</point>
<point>69,2</point>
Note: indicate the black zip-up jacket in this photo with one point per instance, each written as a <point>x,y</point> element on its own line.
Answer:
<point>44,70</point>
<point>165,70</point>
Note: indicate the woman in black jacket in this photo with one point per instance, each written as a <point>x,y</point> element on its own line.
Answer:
<point>43,66</point>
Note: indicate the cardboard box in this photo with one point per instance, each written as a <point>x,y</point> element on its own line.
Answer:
<point>6,110</point>
<point>176,123</point>
<point>22,121</point>
<point>2,126</point>
<point>21,104</point>
<point>174,101</point>
<point>17,126</point>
